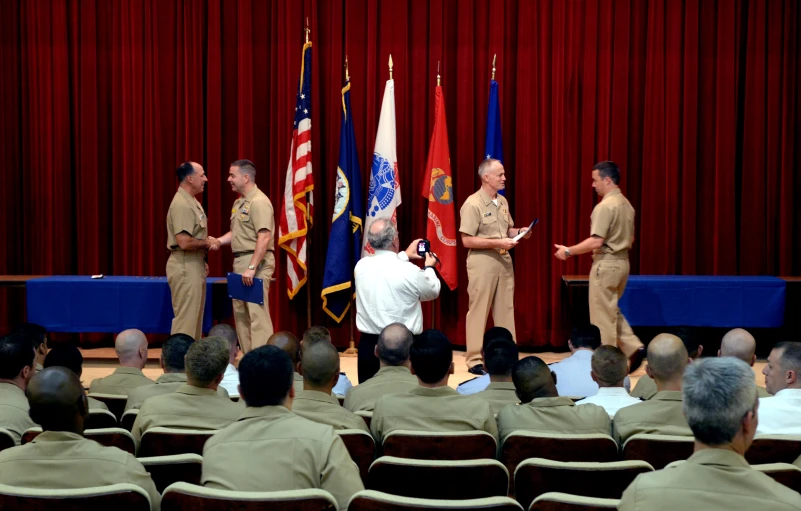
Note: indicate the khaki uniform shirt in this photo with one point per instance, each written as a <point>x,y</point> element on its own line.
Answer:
<point>165,384</point>
<point>187,408</point>
<point>14,411</point>
<point>661,415</point>
<point>185,215</point>
<point>553,415</point>
<point>272,449</point>
<point>120,382</point>
<point>499,395</point>
<point>480,217</point>
<point>325,409</point>
<point>250,214</point>
<point>62,460</point>
<point>645,388</point>
<point>388,380</point>
<point>613,220</point>
<point>95,404</point>
<point>297,383</point>
<point>709,479</point>
<point>426,409</point>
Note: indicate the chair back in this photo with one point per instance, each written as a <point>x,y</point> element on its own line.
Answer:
<point>119,497</point>
<point>6,439</point>
<point>370,500</point>
<point>185,497</point>
<point>168,441</point>
<point>110,437</point>
<point>115,402</point>
<point>441,445</point>
<point>367,416</point>
<point>100,419</point>
<point>361,448</point>
<point>774,449</point>
<point>784,473</point>
<point>555,501</point>
<point>658,450</point>
<point>128,419</point>
<point>166,470</point>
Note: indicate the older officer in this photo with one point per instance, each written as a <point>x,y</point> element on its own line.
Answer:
<point>251,240</point>
<point>487,230</point>
<point>187,241</point>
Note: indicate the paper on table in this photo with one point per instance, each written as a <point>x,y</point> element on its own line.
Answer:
<point>520,235</point>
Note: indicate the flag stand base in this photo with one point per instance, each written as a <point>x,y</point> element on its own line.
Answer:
<point>351,351</point>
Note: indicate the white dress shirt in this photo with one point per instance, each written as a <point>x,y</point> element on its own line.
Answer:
<point>573,375</point>
<point>780,414</point>
<point>389,289</point>
<point>474,385</point>
<point>343,385</point>
<point>611,399</point>
<point>230,380</point>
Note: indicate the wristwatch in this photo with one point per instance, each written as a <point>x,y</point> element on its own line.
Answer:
<point>251,267</point>
<point>567,252</point>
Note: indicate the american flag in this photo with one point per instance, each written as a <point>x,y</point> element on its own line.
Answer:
<point>296,211</point>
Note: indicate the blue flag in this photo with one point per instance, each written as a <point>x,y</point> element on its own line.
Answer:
<point>494,146</point>
<point>344,241</point>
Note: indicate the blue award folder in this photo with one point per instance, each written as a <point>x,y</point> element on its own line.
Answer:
<point>239,291</point>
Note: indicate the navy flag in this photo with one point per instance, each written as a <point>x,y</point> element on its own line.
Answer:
<point>344,241</point>
<point>494,146</point>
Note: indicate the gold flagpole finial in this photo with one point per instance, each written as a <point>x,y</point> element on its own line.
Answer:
<point>347,73</point>
<point>438,73</point>
<point>493,65</point>
<point>390,66</point>
<point>307,30</point>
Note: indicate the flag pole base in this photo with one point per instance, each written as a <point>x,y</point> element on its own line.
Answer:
<point>351,351</point>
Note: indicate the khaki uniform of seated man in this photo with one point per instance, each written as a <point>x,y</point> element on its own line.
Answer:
<point>720,402</point>
<point>393,376</point>
<point>195,404</point>
<point>739,343</point>
<point>69,356</point>
<point>16,371</point>
<point>661,415</point>
<point>542,410</point>
<point>646,387</point>
<point>500,356</point>
<point>270,448</point>
<point>131,348</point>
<point>433,405</point>
<point>60,457</point>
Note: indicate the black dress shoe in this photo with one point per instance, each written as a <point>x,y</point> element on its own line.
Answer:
<point>477,369</point>
<point>635,361</point>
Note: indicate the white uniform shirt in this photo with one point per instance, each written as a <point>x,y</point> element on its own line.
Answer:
<point>611,399</point>
<point>343,385</point>
<point>573,375</point>
<point>780,414</point>
<point>230,380</point>
<point>389,289</point>
<point>474,386</point>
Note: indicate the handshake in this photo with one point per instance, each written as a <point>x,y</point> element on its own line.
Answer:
<point>421,246</point>
<point>213,244</point>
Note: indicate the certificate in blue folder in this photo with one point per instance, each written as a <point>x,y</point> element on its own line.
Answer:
<point>238,291</point>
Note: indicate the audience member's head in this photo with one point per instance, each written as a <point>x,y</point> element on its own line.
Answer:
<point>174,351</point>
<point>609,366</point>
<point>720,403</point>
<point>500,356</point>
<point>266,375</point>
<point>288,343</point>
<point>739,343</point>
<point>131,348</point>
<point>533,379</point>
<point>57,400</point>
<point>16,360</point>
<point>586,337</point>
<point>383,235</point>
<point>38,336</point>
<point>667,358</point>
<point>228,333</point>
<point>783,370</point>
<point>394,344</point>
<point>431,357</point>
<point>497,332</point>
<point>320,366</point>
<point>315,334</point>
<point>690,337</point>
<point>65,355</point>
<point>206,361</point>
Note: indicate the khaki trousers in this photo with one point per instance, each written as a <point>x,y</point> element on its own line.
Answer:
<point>490,286</point>
<point>186,276</point>
<point>253,323</point>
<point>608,279</point>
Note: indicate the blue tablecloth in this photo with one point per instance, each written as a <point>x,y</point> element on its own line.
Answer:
<point>77,303</point>
<point>671,300</point>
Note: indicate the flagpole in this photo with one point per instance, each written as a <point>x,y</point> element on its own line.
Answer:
<point>351,351</point>
<point>433,309</point>
<point>308,234</point>
<point>493,65</point>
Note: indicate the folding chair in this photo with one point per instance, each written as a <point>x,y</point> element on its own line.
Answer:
<point>119,497</point>
<point>658,450</point>
<point>115,402</point>
<point>188,497</point>
<point>100,419</point>
<point>440,445</point>
<point>168,441</point>
<point>128,419</point>
<point>555,501</point>
<point>165,470</point>
<point>369,500</point>
<point>361,448</point>
<point>774,449</point>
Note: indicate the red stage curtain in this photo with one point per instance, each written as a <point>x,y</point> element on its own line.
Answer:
<point>696,100</point>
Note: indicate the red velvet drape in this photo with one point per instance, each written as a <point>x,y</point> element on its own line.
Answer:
<point>696,100</point>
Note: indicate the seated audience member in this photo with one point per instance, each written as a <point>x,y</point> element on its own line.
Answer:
<point>393,377</point>
<point>270,448</point>
<point>319,364</point>
<point>16,370</point>
<point>542,410</point>
<point>573,373</point>
<point>432,405</point>
<point>720,403</point>
<point>739,343</point>
<point>289,344</point>
<point>499,356</point>
<point>609,368</point>
<point>131,348</point>
<point>667,359</point>
<point>646,387</point>
<point>479,383</point>
<point>69,356</point>
<point>196,403</point>
<point>781,414</point>
<point>321,333</point>
<point>230,380</point>
<point>38,336</point>
<point>60,457</point>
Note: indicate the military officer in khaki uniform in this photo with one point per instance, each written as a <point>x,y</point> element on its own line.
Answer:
<point>131,348</point>
<point>487,230</point>
<point>245,455</point>
<point>16,371</point>
<point>611,238</point>
<point>251,240</point>
<point>188,241</point>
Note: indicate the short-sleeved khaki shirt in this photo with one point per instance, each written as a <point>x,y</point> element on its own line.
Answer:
<point>613,220</point>
<point>480,217</point>
<point>250,214</point>
<point>185,215</point>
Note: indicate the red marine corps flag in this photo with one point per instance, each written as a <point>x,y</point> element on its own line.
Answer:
<point>438,189</point>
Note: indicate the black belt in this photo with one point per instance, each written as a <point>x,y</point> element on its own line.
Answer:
<point>240,254</point>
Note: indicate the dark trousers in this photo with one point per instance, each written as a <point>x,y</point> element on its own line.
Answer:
<point>368,363</point>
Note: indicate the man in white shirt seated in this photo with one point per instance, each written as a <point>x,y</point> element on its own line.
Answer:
<point>781,414</point>
<point>389,289</point>
<point>230,380</point>
<point>609,368</point>
<point>573,373</point>
<point>479,383</point>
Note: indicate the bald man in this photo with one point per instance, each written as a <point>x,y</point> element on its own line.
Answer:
<point>662,414</point>
<point>230,380</point>
<point>289,344</point>
<point>739,343</point>
<point>320,368</point>
<point>60,457</point>
<point>646,388</point>
<point>322,334</point>
<point>542,409</point>
<point>131,348</point>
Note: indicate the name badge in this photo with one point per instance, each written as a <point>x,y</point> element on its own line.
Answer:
<point>488,213</point>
